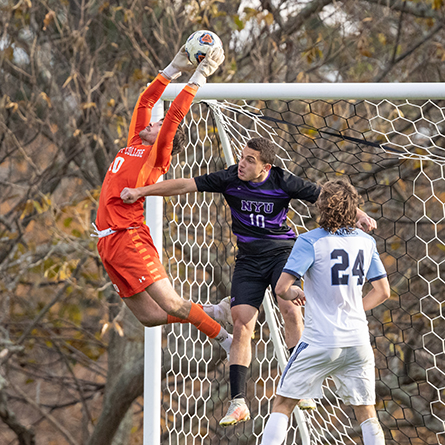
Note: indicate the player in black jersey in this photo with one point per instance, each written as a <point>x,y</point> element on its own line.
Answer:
<point>258,195</point>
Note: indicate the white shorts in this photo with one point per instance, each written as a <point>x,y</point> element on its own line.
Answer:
<point>351,368</point>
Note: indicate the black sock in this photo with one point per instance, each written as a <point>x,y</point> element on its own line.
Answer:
<point>291,350</point>
<point>238,377</point>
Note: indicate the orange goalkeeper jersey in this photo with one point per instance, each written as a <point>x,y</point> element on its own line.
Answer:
<point>139,165</point>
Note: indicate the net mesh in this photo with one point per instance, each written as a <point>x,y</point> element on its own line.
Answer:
<point>392,153</point>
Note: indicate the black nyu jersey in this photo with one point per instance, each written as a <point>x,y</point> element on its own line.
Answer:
<point>259,209</point>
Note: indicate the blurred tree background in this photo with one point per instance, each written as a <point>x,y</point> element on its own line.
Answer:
<point>70,73</point>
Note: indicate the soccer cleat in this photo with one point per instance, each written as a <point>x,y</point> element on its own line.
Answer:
<point>221,313</point>
<point>306,404</point>
<point>226,343</point>
<point>237,412</point>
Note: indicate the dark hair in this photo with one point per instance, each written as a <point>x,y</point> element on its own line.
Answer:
<point>266,148</point>
<point>338,203</point>
<point>178,141</point>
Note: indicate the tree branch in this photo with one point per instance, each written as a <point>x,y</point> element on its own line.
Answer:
<point>26,436</point>
<point>44,310</point>
<point>407,53</point>
<point>126,389</point>
<point>295,23</point>
<point>418,9</point>
<point>47,416</point>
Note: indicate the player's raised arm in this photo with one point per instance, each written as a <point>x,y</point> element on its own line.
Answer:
<point>141,117</point>
<point>165,188</point>
<point>178,65</point>
<point>365,222</point>
<point>159,159</point>
<point>213,59</point>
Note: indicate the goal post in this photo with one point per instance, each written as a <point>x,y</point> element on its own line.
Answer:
<point>153,335</point>
<point>388,140</point>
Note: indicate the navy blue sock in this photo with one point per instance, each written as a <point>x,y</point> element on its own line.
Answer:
<point>238,378</point>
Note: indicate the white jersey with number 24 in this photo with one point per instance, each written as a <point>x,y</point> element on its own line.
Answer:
<point>334,267</point>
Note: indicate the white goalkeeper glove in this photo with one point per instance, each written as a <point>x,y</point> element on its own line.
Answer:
<point>179,64</point>
<point>210,63</point>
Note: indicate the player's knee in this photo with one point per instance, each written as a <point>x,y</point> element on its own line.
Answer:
<point>284,405</point>
<point>242,330</point>
<point>364,412</point>
<point>148,323</point>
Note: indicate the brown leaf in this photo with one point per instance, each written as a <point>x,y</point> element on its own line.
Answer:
<point>49,18</point>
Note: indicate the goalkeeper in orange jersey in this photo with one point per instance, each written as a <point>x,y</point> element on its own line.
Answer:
<point>125,245</point>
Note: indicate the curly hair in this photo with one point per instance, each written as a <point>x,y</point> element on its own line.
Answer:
<point>178,141</point>
<point>338,203</point>
<point>266,148</point>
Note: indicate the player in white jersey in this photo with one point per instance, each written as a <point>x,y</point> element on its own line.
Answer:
<point>334,260</point>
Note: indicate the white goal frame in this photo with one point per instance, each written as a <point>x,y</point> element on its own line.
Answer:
<point>230,91</point>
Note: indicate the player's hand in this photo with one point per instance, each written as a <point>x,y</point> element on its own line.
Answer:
<point>213,59</point>
<point>129,195</point>
<point>365,222</point>
<point>299,301</point>
<point>179,64</point>
<point>298,297</point>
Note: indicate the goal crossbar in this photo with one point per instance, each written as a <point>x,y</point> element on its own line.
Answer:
<point>293,91</point>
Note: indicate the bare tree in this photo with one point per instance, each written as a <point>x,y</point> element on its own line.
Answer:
<point>71,359</point>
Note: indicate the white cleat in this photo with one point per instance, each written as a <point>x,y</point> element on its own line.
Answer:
<point>221,313</point>
<point>306,404</point>
<point>237,412</point>
<point>226,343</point>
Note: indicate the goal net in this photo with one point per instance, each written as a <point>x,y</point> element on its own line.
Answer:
<point>393,152</point>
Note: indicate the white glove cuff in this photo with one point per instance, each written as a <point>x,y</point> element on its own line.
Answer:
<point>198,79</point>
<point>171,72</point>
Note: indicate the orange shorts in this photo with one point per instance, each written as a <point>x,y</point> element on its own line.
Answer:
<point>131,260</point>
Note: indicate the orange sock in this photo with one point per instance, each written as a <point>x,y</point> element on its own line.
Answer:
<point>203,322</point>
<point>172,319</point>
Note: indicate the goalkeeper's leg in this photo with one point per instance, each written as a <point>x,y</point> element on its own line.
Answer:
<point>221,313</point>
<point>160,304</point>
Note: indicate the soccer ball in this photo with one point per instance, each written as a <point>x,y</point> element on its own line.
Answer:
<point>198,44</point>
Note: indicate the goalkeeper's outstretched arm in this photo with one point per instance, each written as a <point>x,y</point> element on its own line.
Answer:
<point>165,188</point>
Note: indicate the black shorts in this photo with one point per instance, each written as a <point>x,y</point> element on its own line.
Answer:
<point>254,273</point>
